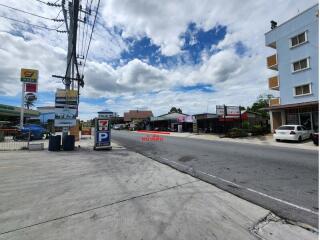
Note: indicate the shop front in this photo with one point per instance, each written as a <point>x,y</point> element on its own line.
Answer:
<point>306,114</point>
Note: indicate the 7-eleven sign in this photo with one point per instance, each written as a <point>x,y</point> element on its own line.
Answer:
<point>103,124</point>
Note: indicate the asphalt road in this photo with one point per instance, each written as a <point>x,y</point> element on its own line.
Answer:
<point>283,180</point>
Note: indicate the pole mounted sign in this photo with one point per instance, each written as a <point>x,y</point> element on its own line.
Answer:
<point>66,105</point>
<point>29,75</point>
<point>102,134</point>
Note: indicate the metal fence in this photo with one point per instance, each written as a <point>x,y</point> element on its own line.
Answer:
<point>12,139</point>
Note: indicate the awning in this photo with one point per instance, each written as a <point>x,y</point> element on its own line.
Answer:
<point>295,105</point>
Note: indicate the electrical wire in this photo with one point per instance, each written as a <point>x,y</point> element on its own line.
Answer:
<point>19,10</point>
<point>87,28</point>
<point>33,25</point>
<point>84,28</point>
<point>94,22</point>
<point>50,4</point>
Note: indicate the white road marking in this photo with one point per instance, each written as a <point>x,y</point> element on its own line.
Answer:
<point>250,190</point>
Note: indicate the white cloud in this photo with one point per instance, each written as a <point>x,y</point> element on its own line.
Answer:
<point>237,80</point>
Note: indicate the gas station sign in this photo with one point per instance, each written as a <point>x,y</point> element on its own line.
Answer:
<point>29,75</point>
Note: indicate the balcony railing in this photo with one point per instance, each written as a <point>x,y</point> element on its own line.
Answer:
<point>274,83</point>
<point>272,62</point>
<point>274,102</point>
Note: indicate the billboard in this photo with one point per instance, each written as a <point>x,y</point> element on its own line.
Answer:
<point>29,75</point>
<point>66,108</point>
<point>233,111</point>
<point>220,110</point>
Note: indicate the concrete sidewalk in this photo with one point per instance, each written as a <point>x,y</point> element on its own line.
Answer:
<point>260,140</point>
<point>120,194</point>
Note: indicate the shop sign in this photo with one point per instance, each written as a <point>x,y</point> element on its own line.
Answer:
<point>29,75</point>
<point>233,111</point>
<point>220,110</point>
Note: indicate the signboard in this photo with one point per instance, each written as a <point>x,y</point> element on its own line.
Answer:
<point>220,110</point>
<point>103,124</point>
<point>66,108</point>
<point>102,134</point>
<point>103,138</point>
<point>31,87</point>
<point>29,75</point>
<point>75,132</point>
<point>30,97</point>
<point>233,111</point>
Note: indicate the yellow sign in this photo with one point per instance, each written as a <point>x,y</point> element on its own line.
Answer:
<point>29,75</point>
<point>67,93</point>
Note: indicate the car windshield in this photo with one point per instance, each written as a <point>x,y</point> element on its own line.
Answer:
<point>286,128</point>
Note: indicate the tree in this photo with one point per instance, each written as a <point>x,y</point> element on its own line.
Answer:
<point>175,110</point>
<point>262,102</point>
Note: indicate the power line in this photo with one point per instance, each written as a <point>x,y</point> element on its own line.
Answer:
<point>94,22</point>
<point>50,4</point>
<point>34,25</point>
<point>19,10</point>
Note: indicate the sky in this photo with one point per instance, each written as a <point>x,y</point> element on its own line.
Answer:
<point>148,54</point>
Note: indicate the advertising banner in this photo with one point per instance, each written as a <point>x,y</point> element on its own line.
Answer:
<point>29,75</point>
<point>220,110</point>
<point>233,111</point>
<point>66,105</point>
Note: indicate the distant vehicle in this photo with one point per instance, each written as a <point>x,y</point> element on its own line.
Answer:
<point>36,131</point>
<point>118,126</point>
<point>315,138</point>
<point>292,133</point>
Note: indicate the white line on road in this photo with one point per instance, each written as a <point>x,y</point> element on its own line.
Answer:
<point>249,189</point>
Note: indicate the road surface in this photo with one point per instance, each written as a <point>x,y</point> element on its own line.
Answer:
<point>283,180</point>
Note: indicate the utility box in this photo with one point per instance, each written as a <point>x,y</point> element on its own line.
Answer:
<point>102,136</point>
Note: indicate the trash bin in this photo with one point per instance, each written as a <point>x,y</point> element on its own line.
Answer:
<point>54,143</point>
<point>68,143</point>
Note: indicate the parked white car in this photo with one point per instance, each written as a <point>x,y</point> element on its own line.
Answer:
<point>292,133</point>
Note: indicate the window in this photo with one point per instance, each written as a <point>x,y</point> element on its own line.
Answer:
<point>299,128</point>
<point>303,90</point>
<point>286,128</point>
<point>298,39</point>
<point>300,65</point>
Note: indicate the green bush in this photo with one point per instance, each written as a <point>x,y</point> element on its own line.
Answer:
<point>245,125</point>
<point>236,133</point>
<point>258,130</point>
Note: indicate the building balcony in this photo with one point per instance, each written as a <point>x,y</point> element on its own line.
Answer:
<point>274,83</point>
<point>274,102</point>
<point>272,62</point>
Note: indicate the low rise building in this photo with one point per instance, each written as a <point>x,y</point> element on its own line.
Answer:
<point>172,122</point>
<point>296,70</point>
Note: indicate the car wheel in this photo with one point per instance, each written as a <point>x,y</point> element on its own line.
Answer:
<point>310,136</point>
<point>300,139</point>
<point>278,140</point>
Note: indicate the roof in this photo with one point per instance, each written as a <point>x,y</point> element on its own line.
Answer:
<point>292,18</point>
<point>292,105</point>
<point>137,114</point>
<point>7,110</point>
<point>105,111</point>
